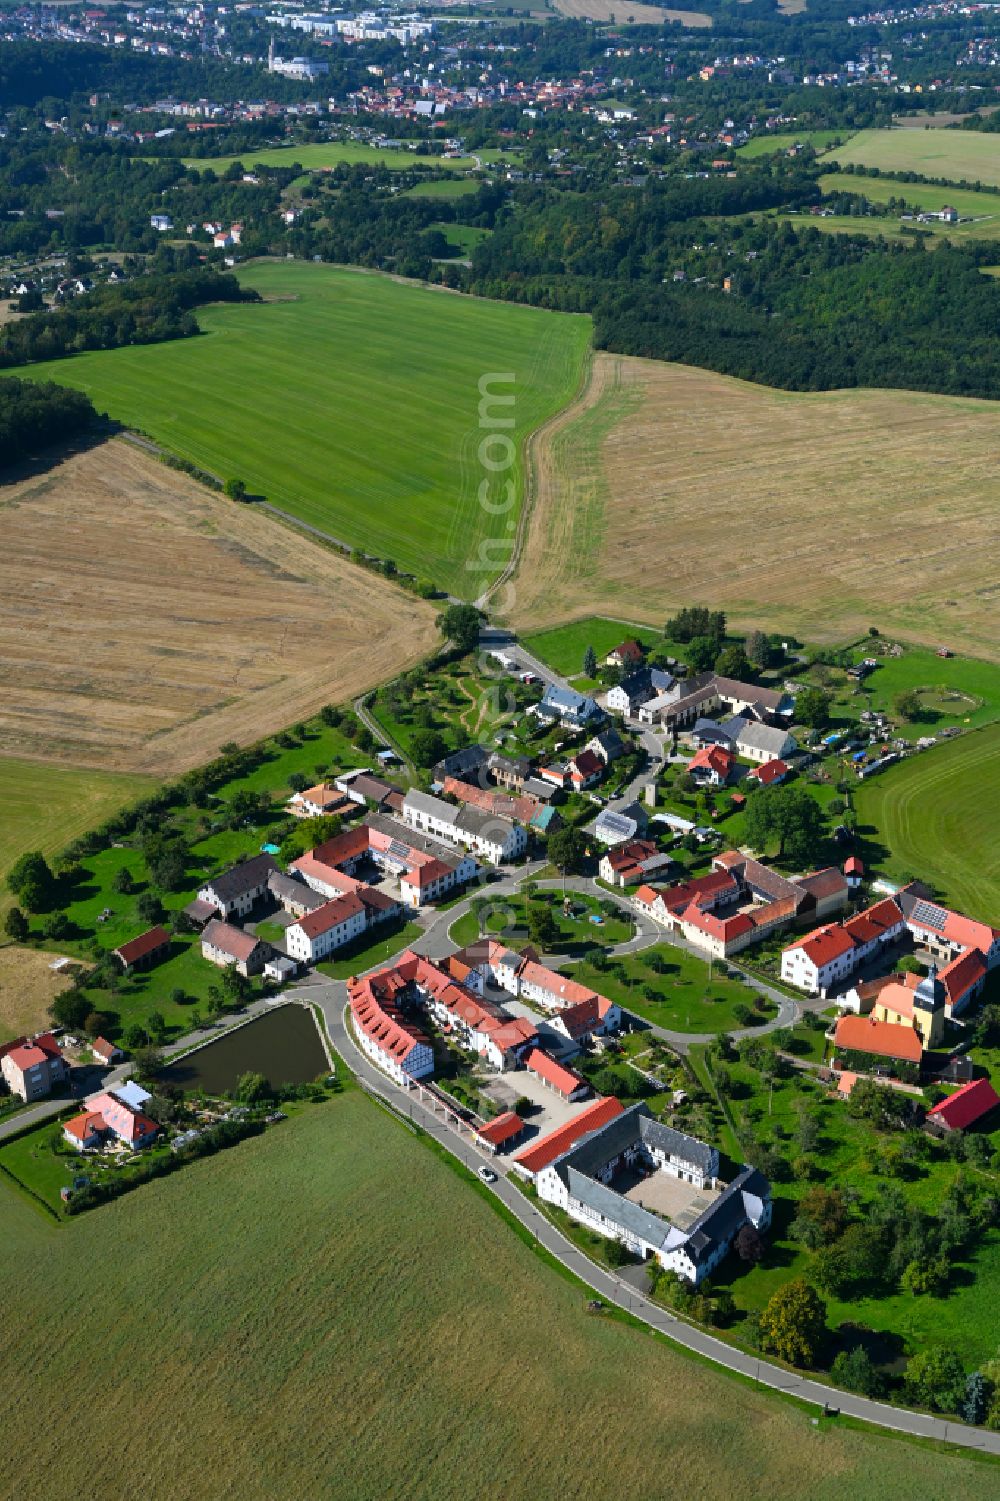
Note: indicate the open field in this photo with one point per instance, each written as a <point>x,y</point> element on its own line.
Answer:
<point>619,11</point>
<point>922,195</point>
<point>960,155</point>
<point>327,154</point>
<point>939,816</point>
<point>816,513</point>
<point>27,988</point>
<point>376,437</point>
<point>777,140</point>
<point>443,187</point>
<point>146,621</point>
<point>686,995</point>
<point>45,807</point>
<point>907,231</point>
<point>563,648</point>
<point>258,1309</point>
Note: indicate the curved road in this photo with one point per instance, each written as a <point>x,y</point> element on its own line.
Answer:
<point>613,1290</point>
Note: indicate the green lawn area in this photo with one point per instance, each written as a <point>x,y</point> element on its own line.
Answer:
<point>290,1221</point>
<point>45,806</point>
<point>957,155</point>
<point>331,154</point>
<point>849,224</point>
<point>31,1160</point>
<point>563,647</point>
<point>767,144</point>
<point>684,998</point>
<point>455,187</point>
<point>842,1154</point>
<point>953,690</point>
<point>376,436</point>
<point>465,236</point>
<point>390,940</point>
<point>576,930</point>
<point>463,704</point>
<point>921,195</point>
<point>937,817</point>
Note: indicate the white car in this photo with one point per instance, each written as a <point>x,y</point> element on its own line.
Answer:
<point>487,1174</point>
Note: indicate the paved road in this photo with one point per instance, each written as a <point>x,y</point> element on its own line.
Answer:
<point>614,1289</point>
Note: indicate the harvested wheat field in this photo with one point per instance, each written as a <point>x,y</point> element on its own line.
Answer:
<point>145,621</point>
<point>28,986</point>
<point>620,12</point>
<point>818,513</point>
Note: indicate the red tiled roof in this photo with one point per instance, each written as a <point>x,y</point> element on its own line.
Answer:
<point>502,1128</point>
<point>715,757</point>
<point>82,1126</point>
<point>725,928</point>
<point>229,940</point>
<point>962,973</point>
<point>853,866</point>
<point>771,771</point>
<point>563,1079</point>
<point>863,1034</point>
<point>588,764</point>
<point>145,944</point>
<point>823,945</point>
<point>104,1049</point>
<point>330,915</point>
<point>547,1148</point>
<point>966,1106</point>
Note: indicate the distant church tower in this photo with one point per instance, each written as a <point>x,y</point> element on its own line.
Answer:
<point>270,55</point>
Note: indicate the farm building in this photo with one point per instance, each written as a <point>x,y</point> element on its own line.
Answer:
<point>141,952</point>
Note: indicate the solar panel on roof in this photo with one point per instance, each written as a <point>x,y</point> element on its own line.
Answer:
<point>400,851</point>
<point>617,823</point>
<point>928,915</point>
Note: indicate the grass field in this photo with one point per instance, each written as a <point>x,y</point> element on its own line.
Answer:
<point>959,155</point>
<point>894,229</point>
<point>465,236</point>
<point>938,817</point>
<point>620,11</point>
<point>766,145</point>
<point>45,807</point>
<point>331,154</point>
<point>879,506</point>
<point>686,997</point>
<point>563,647</point>
<point>258,1309</point>
<point>921,195</point>
<point>184,620</point>
<point>443,187</point>
<point>376,437</point>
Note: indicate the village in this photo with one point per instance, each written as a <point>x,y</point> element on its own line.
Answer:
<point>512,874</point>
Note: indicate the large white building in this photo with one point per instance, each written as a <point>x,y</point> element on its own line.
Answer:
<point>496,838</point>
<point>318,933</point>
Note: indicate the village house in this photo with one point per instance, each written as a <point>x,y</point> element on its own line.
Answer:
<point>712,766</point>
<point>965,1107</point>
<point>632,863</point>
<point>313,802</point>
<point>607,745</point>
<point>509,771</point>
<point>770,773</point>
<point>585,770</point>
<point>389,1038</point>
<point>33,1066</point>
<point>763,743</point>
<point>229,947</point>
<point>116,1115</point>
<point>708,692</point>
<point>564,1081</point>
<point>496,838</point>
<point>565,706</point>
<point>865,1034</point>
<point>106,1052</point>
<point>293,895</point>
<point>532,1159</point>
<point>318,933</point>
<point>144,951</point>
<point>236,891</point>
<point>638,688</point>
<point>629,655</point>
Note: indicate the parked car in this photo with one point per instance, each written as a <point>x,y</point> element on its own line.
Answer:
<point>487,1174</point>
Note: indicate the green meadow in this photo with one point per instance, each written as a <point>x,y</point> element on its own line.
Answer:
<point>563,647</point>
<point>937,817</point>
<point>353,402</point>
<point>331,154</point>
<point>767,145</point>
<point>330,1310</point>
<point>925,196</point>
<point>958,155</point>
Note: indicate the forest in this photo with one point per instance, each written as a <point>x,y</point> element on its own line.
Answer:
<point>147,310</point>
<point>32,416</point>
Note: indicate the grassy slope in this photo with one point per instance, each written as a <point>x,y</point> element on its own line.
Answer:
<point>936,817</point>
<point>375,433</point>
<point>960,155</point>
<point>275,1288</point>
<point>766,145</point>
<point>45,807</point>
<point>563,648</point>
<point>329,154</point>
<point>881,189</point>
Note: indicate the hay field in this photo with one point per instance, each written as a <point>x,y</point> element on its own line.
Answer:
<point>328,1313</point>
<point>620,13</point>
<point>27,988</point>
<point>327,154</point>
<point>145,621</point>
<point>959,155</point>
<point>818,513</point>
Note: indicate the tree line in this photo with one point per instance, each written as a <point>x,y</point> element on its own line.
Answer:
<point>35,415</point>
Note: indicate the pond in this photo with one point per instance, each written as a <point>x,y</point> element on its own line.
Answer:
<point>284,1045</point>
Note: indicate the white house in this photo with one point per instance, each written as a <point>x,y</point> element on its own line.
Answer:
<point>818,961</point>
<point>318,933</point>
<point>496,838</point>
<point>236,891</point>
<point>762,743</point>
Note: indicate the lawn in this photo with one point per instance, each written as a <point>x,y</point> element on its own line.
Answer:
<point>563,648</point>
<point>576,928</point>
<point>958,155</point>
<point>376,437</point>
<point>443,187</point>
<point>892,228</point>
<point>937,816</point>
<point>45,807</point>
<point>331,154</point>
<point>966,201</point>
<point>686,997</point>
<point>953,690</point>
<point>258,1307</point>
<point>465,236</point>
<point>766,145</point>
